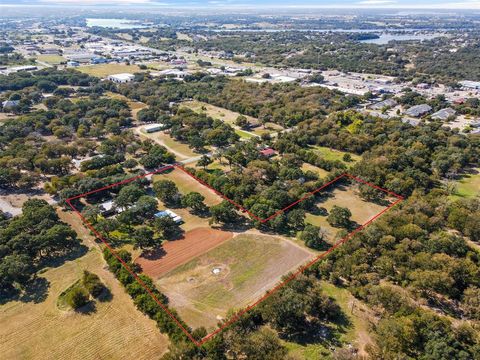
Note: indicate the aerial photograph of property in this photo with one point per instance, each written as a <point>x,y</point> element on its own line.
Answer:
<point>239,180</point>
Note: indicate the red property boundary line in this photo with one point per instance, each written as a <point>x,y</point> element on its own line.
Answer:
<point>300,270</point>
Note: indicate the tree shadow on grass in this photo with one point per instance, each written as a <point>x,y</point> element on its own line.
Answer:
<point>36,291</point>
<point>325,334</point>
<point>87,309</point>
<point>56,261</point>
<point>154,254</point>
<point>105,296</point>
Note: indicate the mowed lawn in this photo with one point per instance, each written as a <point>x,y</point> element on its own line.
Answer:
<point>333,155</point>
<point>103,70</point>
<point>232,275</point>
<point>468,185</point>
<point>116,330</point>
<point>214,111</point>
<point>361,210</point>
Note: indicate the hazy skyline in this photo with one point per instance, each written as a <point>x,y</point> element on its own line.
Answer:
<point>408,4</point>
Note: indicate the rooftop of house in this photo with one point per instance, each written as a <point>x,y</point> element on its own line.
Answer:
<point>418,110</point>
<point>267,152</point>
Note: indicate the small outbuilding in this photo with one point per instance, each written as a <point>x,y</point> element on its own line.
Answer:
<point>151,128</point>
<point>164,213</point>
<point>9,104</point>
<point>121,78</point>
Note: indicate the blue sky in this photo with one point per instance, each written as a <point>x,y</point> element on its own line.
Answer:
<point>431,4</point>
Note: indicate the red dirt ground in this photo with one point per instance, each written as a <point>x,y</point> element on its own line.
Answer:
<point>178,252</point>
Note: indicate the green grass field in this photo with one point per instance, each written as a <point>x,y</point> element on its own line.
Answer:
<point>244,134</point>
<point>229,117</point>
<point>248,266</point>
<point>321,173</point>
<point>332,154</point>
<point>103,70</point>
<point>468,186</point>
<point>51,59</point>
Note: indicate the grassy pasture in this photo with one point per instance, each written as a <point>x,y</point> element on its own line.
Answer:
<point>248,264</point>
<point>468,185</point>
<point>321,173</point>
<point>347,197</point>
<point>332,154</point>
<point>51,59</point>
<point>104,70</point>
<point>114,330</point>
<point>185,184</point>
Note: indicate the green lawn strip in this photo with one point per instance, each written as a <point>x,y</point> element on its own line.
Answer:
<point>468,186</point>
<point>332,155</point>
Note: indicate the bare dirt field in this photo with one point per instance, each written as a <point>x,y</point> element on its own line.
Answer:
<point>232,275</point>
<point>37,329</point>
<point>348,197</point>
<point>177,252</point>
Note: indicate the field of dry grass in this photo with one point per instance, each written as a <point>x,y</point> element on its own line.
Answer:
<point>185,184</point>
<point>245,268</point>
<point>115,330</point>
<point>180,150</point>
<point>229,117</point>
<point>348,197</point>
<point>103,70</point>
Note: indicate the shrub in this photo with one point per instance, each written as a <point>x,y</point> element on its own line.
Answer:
<point>92,283</point>
<point>76,298</point>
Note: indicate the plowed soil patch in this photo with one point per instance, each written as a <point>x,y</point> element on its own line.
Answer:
<point>174,253</point>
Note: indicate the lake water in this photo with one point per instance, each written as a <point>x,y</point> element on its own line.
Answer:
<point>385,38</point>
<point>114,23</point>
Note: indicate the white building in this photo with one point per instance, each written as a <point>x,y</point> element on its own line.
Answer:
<point>164,213</point>
<point>151,128</point>
<point>174,73</point>
<point>121,78</point>
<point>470,84</point>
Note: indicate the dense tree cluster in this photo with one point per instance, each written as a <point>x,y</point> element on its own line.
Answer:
<point>284,104</point>
<point>28,240</point>
<point>72,128</point>
<point>413,247</point>
<point>396,156</point>
<point>199,130</point>
<point>46,80</point>
<point>142,298</point>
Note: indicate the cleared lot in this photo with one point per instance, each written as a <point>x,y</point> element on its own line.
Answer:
<point>178,252</point>
<point>232,275</point>
<point>347,197</point>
